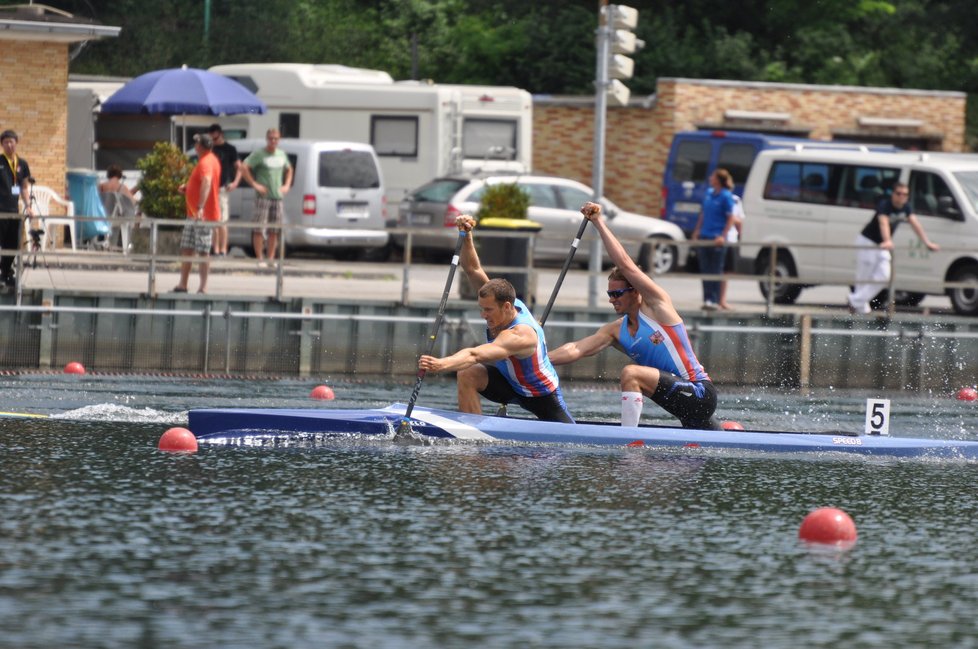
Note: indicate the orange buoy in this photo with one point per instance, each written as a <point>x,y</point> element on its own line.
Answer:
<point>967,393</point>
<point>828,526</point>
<point>322,392</point>
<point>178,440</point>
<point>636,444</point>
<point>732,425</point>
<point>74,367</point>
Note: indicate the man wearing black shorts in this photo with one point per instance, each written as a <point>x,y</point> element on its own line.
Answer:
<point>651,333</point>
<point>513,365</point>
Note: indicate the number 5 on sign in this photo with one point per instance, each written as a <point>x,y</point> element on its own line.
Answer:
<point>877,417</point>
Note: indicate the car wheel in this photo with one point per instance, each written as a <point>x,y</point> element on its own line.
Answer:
<point>784,268</point>
<point>964,299</point>
<point>658,257</point>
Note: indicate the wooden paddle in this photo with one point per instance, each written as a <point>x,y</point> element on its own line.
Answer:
<point>563,271</point>
<point>404,427</point>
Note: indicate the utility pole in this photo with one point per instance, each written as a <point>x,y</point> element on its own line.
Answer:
<point>614,40</point>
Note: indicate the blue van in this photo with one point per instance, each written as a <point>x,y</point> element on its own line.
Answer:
<point>694,155</point>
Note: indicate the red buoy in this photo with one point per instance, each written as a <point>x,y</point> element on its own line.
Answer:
<point>74,367</point>
<point>178,440</point>
<point>732,425</point>
<point>829,526</point>
<point>967,393</point>
<point>322,392</point>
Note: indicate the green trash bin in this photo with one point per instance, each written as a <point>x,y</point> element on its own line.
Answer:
<point>513,252</point>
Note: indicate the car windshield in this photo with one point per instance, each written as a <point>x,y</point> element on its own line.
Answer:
<point>438,191</point>
<point>969,182</point>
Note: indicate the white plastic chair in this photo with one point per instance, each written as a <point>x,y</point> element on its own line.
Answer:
<point>118,205</point>
<point>43,196</point>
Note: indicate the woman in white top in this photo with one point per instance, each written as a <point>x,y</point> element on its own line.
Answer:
<point>733,236</point>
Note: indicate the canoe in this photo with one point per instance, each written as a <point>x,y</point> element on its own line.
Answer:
<point>228,425</point>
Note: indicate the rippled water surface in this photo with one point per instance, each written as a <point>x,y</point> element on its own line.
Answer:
<point>107,542</point>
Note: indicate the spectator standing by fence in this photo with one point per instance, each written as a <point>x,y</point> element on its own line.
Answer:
<point>15,177</point>
<point>227,155</point>
<point>874,256</point>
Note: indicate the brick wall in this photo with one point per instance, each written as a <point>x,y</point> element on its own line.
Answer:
<point>638,136</point>
<point>34,78</point>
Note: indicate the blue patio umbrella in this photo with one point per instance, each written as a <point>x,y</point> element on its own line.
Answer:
<point>183,91</point>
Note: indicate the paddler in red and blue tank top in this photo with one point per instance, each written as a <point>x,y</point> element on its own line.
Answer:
<point>653,335</point>
<point>513,365</point>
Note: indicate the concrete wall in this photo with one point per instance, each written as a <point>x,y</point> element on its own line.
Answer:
<point>638,136</point>
<point>256,336</point>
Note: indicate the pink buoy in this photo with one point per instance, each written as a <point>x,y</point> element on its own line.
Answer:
<point>322,392</point>
<point>178,440</point>
<point>74,367</point>
<point>828,526</point>
<point>732,425</point>
<point>967,393</point>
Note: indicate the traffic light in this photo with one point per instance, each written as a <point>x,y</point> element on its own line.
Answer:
<point>618,21</point>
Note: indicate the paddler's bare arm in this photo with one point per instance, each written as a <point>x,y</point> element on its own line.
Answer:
<point>654,297</point>
<point>468,257</point>
<point>588,346</point>
<point>520,341</point>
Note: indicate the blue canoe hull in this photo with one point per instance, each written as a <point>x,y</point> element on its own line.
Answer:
<point>236,423</point>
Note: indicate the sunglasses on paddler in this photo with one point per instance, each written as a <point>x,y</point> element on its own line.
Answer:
<point>618,292</point>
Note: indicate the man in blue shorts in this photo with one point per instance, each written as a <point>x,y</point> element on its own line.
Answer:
<point>652,334</point>
<point>512,366</point>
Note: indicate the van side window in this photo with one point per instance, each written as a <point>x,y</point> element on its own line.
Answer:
<point>355,169</point>
<point>801,182</point>
<point>394,136</point>
<point>692,161</point>
<point>930,196</point>
<point>865,187</point>
<point>737,159</point>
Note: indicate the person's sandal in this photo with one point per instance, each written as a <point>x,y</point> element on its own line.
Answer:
<point>177,289</point>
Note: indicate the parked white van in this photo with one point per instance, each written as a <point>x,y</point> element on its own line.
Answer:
<point>337,197</point>
<point>808,201</point>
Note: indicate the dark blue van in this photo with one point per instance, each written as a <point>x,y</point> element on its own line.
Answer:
<point>694,155</point>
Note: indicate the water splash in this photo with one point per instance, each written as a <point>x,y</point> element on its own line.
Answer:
<point>115,412</point>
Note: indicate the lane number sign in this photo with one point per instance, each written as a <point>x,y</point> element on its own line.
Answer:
<point>877,417</point>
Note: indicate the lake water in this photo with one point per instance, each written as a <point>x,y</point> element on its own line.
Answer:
<point>106,542</point>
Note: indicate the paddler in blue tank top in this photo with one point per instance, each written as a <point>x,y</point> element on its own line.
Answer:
<point>652,334</point>
<point>512,367</point>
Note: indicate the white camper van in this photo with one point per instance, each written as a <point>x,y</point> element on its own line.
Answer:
<point>419,130</point>
<point>797,198</point>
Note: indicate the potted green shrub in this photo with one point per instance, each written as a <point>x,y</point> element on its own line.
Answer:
<point>503,208</point>
<point>164,169</point>
<point>503,201</point>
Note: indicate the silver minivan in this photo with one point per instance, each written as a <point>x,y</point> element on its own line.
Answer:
<point>337,199</point>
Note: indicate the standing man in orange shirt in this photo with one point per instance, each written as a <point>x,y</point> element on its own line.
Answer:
<point>203,205</point>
